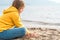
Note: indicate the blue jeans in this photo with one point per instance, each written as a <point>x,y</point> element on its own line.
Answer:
<point>12,33</point>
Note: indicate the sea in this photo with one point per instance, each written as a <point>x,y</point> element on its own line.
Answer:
<point>39,16</point>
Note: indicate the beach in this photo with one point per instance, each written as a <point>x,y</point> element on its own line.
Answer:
<point>46,32</point>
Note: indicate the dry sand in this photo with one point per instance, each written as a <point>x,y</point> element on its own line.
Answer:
<point>44,34</point>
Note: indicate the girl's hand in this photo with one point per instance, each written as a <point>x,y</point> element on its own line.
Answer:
<point>32,35</point>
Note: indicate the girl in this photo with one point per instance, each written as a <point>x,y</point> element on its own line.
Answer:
<point>10,22</point>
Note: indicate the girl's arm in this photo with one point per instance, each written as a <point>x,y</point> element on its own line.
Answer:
<point>17,21</point>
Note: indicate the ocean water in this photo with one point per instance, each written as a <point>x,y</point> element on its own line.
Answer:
<point>48,14</point>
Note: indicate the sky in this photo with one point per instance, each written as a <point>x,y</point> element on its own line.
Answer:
<point>33,2</point>
<point>57,1</point>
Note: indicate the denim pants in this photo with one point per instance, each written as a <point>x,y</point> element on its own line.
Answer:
<point>12,33</point>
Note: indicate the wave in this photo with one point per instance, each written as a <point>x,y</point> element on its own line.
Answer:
<point>42,22</point>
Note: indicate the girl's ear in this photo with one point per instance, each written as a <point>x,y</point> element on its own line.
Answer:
<point>21,9</point>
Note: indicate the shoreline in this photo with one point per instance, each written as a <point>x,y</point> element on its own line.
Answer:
<point>33,24</point>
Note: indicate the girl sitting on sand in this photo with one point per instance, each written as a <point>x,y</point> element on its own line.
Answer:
<point>10,22</point>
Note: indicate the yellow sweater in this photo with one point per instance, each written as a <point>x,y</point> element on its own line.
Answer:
<point>9,19</point>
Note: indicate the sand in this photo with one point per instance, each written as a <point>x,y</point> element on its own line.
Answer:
<point>44,34</point>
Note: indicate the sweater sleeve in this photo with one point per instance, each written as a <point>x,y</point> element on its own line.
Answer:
<point>17,20</point>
